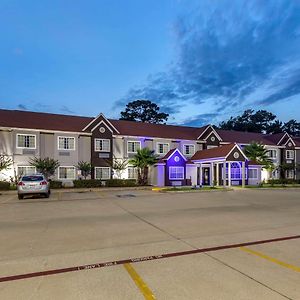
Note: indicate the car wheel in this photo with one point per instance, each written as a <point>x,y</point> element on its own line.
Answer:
<point>20,196</point>
<point>47,195</point>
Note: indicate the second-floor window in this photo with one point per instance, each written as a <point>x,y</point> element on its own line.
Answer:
<point>26,141</point>
<point>102,145</point>
<point>272,153</point>
<point>289,154</point>
<point>162,148</point>
<point>133,146</point>
<point>66,143</point>
<point>188,149</point>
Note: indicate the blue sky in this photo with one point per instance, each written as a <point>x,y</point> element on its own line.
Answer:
<point>201,61</point>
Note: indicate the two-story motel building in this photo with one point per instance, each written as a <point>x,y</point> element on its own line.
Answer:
<point>187,155</point>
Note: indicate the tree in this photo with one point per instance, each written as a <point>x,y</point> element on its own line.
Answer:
<point>292,127</point>
<point>85,167</point>
<point>257,152</point>
<point>260,121</point>
<point>5,162</point>
<point>144,111</point>
<point>118,165</point>
<point>46,166</point>
<point>142,160</point>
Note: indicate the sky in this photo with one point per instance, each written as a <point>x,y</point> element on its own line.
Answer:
<point>200,61</point>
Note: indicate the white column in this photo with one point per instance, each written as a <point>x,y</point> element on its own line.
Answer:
<point>224,173</point>
<point>211,175</point>
<point>243,174</point>
<point>200,174</point>
<point>217,173</point>
<point>229,173</point>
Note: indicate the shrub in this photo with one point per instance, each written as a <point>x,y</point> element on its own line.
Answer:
<point>282,181</point>
<point>120,182</point>
<point>55,184</point>
<point>87,183</point>
<point>4,185</point>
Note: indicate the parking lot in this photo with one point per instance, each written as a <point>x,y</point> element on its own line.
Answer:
<point>140,244</point>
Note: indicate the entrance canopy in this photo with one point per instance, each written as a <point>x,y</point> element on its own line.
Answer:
<point>230,152</point>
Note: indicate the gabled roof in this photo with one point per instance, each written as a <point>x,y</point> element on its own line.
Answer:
<point>218,152</point>
<point>171,152</point>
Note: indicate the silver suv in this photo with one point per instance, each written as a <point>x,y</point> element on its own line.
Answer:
<point>33,185</point>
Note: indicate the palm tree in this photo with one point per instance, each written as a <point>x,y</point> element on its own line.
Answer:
<point>257,152</point>
<point>85,167</point>
<point>46,166</point>
<point>142,161</point>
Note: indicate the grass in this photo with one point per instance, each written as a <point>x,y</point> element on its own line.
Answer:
<point>187,189</point>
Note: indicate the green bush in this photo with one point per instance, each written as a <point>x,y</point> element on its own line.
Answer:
<point>87,183</point>
<point>120,182</point>
<point>4,186</point>
<point>283,181</point>
<point>55,184</point>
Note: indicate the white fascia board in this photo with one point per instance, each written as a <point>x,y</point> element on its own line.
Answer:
<point>45,130</point>
<point>283,137</point>
<point>101,115</point>
<point>239,148</point>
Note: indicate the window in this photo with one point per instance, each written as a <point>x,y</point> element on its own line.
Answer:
<point>290,174</point>
<point>66,172</point>
<point>26,141</point>
<point>26,170</point>
<point>176,173</point>
<point>132,173</point>
<point>162,148</point>
<point>236,171</point>
<point>188,149</point>
<point>66,143</point>
<point>272,153</point>
<point>102,145</point>
<point>253,173</point>
<point>289,154</point>
<point>102,172</point>
<point>133,146</point>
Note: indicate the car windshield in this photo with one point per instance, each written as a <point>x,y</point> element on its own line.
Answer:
<point>32,178</point>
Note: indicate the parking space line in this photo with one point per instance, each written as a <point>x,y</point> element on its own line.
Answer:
<point>271,259</point>
<point>141,259</point>
<point>148,295</point>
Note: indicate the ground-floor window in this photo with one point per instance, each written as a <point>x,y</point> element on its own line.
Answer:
<point>290,174</point>
<point>102,172</point>
<point>66,173</point>
<point>132,172</point>
<point>26,170</point>
<point>236,171</point>
<point>253,173</point>
<point>176,172</point>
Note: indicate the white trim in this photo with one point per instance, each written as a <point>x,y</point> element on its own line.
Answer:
<point>24,166</point>
<point>176,150</point>
<point>66,137</point>
<point>283,137</point>
<point>97,139</point>
<point>218,137</point>
<point>288,151</point>
<point>213,130</point>
<point>66,178</point>
<point>162,143</point>
<point>133,142</point>
<point>183,146</point>
<point>95,173</point>
<point>44,130</point>
<point>253,178</point>
<point>239,148</point>
<point>26,134</point>
<point>102,122</point>
<point>176,167</point>
<point>101,115</point>
<point>290,139</point>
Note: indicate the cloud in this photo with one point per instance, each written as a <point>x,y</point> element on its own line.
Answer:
<point>22,107</point>
<point>66,109</point>
<point>200,120</point>
<point>231,54</point>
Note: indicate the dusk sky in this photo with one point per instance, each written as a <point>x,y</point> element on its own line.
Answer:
<point>201,61</point>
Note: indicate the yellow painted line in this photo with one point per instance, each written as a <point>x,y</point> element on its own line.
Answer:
<point>148,295</point>
<point>271,259</point>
